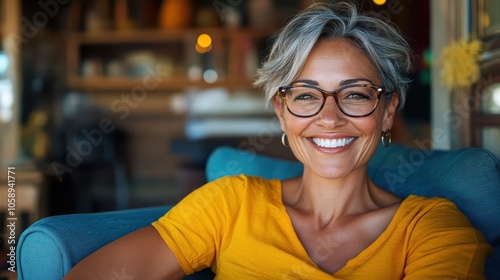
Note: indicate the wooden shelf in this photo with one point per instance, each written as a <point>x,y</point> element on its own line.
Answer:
<point>171,83</point>
<point>162,35</point>
<point>490,75</point>
<point>232,49</point>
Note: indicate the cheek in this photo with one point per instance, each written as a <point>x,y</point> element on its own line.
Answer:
<point>372,125</point>
<point>292,125</point>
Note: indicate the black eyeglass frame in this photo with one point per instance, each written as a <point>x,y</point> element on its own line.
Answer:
<point>380,89</point>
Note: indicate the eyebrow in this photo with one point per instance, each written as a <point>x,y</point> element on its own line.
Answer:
<point>354,81</point>
<point>342,83</point>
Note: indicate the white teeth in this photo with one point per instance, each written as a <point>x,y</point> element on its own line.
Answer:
<point>332,143</point>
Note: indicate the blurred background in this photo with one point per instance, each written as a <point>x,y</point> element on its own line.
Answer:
<point>108,105</point>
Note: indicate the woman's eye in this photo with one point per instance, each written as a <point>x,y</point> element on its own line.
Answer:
<point>304,97</point>
<point>357,96</point>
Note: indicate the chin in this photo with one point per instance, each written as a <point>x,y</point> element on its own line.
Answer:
<point>331,172</point>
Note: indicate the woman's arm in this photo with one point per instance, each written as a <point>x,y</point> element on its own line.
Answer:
<point>141,254</point>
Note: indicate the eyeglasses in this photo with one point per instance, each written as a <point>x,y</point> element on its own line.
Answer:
<point>358,100</point>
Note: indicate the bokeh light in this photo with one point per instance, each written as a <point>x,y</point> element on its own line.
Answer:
<point>204,40</point>
<point>496,96</point>
<point>203,43</point>
<point>210,76</point>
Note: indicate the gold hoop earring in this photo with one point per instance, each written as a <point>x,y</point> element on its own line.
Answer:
<point>283,140</point>
<point>386,138</point>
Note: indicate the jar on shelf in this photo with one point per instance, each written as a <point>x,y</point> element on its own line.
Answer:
<point>175,14</point>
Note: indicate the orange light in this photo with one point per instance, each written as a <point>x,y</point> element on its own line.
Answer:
<point>204,40</point>
<point>379,2</point>
<point>203,43</point>
<point>201,49</point>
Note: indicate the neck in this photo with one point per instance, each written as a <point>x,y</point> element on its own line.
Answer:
<point>330,199</point>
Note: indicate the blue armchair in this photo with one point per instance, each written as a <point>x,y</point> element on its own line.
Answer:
<point>469,177</point>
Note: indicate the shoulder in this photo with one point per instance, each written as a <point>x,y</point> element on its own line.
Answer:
<point>242,182</point>
<point>425,216</point>
<point>221,200</point>
<point>419,205</point>
<point>435,208</point>
<point>441,240</point>
<point>232,189</point>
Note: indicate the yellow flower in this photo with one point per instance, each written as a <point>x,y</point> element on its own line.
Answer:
<point>460,64</point>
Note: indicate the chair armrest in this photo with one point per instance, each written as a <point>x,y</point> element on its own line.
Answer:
<point>49,248</point>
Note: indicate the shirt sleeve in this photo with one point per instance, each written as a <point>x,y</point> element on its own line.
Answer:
<point>193,229</point>
<point>444,245</point>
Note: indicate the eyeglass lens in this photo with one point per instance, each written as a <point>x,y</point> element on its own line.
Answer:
<point>353,101</point>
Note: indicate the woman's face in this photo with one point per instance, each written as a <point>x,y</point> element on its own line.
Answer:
<point>330,64</point>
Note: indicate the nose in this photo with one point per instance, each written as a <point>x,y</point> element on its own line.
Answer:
<point>330,114</point>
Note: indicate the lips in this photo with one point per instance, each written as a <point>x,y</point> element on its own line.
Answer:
<point>332,143</point>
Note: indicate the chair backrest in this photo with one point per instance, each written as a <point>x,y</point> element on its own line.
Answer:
<point>469,177</point>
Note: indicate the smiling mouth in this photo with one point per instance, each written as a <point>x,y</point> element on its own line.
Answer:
<point>332,143</point>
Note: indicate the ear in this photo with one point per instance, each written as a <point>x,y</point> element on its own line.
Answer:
<point>390,112</point>
<point>279,108</point>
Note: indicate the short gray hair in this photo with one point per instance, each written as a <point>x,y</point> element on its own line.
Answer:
<point>379,40</point>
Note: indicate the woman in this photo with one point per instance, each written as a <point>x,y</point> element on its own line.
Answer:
<point>336,79</point>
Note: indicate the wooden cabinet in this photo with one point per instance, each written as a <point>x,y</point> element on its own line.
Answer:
<point>169,59</point>
<point>485,99</point>
<point>112,64</point>
<point>2,18</point>
<point>10,80</point>
<point>117,45</point>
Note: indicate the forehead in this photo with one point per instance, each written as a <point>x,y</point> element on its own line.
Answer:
<point>336,60</point>
<point>342,50</point>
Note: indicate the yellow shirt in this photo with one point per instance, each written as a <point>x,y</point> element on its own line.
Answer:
<point>240,228</point>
